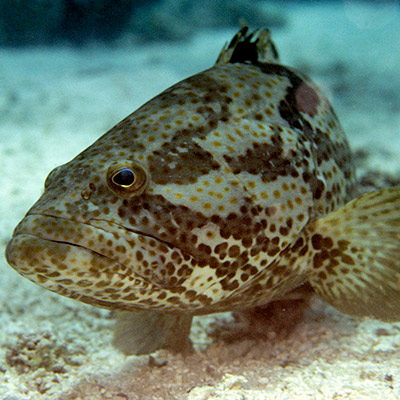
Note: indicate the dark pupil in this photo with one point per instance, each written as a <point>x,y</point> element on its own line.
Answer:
<point>124,177</point>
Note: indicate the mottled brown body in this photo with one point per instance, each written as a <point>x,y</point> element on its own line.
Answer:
<point>239,158</point>
<point>204,199</point>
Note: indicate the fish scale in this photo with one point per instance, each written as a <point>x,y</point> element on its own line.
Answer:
<point>227,191</point>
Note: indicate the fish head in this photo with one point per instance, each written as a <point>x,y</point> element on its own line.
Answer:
<point>178,207</point>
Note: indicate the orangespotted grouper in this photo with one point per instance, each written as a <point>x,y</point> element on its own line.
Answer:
<point>227,191</point>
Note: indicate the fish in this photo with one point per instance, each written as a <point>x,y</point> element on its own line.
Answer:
<point>228,191</point>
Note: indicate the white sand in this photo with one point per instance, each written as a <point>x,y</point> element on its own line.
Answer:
<point>54,103</point>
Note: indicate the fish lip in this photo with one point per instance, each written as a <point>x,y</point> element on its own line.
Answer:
<point>18,232</point>
<point>42,274</point>
<point>96,224</point>
<point>20,235</point>
<point>91,223</point>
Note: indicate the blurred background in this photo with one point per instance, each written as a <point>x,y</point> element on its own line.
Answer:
<point>43,22</point>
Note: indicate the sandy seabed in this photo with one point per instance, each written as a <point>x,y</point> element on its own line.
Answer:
<point>55,102</point>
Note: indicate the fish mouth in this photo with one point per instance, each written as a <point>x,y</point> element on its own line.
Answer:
<point>100,263</point>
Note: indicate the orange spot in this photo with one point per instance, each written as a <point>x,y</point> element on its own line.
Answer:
<point>269,112</point>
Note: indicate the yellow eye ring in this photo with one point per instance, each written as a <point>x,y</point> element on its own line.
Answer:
<point>126,178</point>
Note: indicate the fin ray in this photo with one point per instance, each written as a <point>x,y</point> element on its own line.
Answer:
<point>252,48</point>
<point>143,332</point>
<point>355,256</point>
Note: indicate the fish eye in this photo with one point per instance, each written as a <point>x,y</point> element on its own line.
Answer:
<point>126,178</point>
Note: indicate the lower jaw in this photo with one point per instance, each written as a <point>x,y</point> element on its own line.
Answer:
<point>69,270</point>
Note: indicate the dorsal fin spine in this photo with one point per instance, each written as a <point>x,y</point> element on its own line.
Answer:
<point>249,48</point>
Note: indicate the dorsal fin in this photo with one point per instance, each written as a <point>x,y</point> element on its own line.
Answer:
<point>249,48</point>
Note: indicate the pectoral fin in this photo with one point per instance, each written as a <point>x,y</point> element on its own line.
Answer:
<point>355,256</point>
